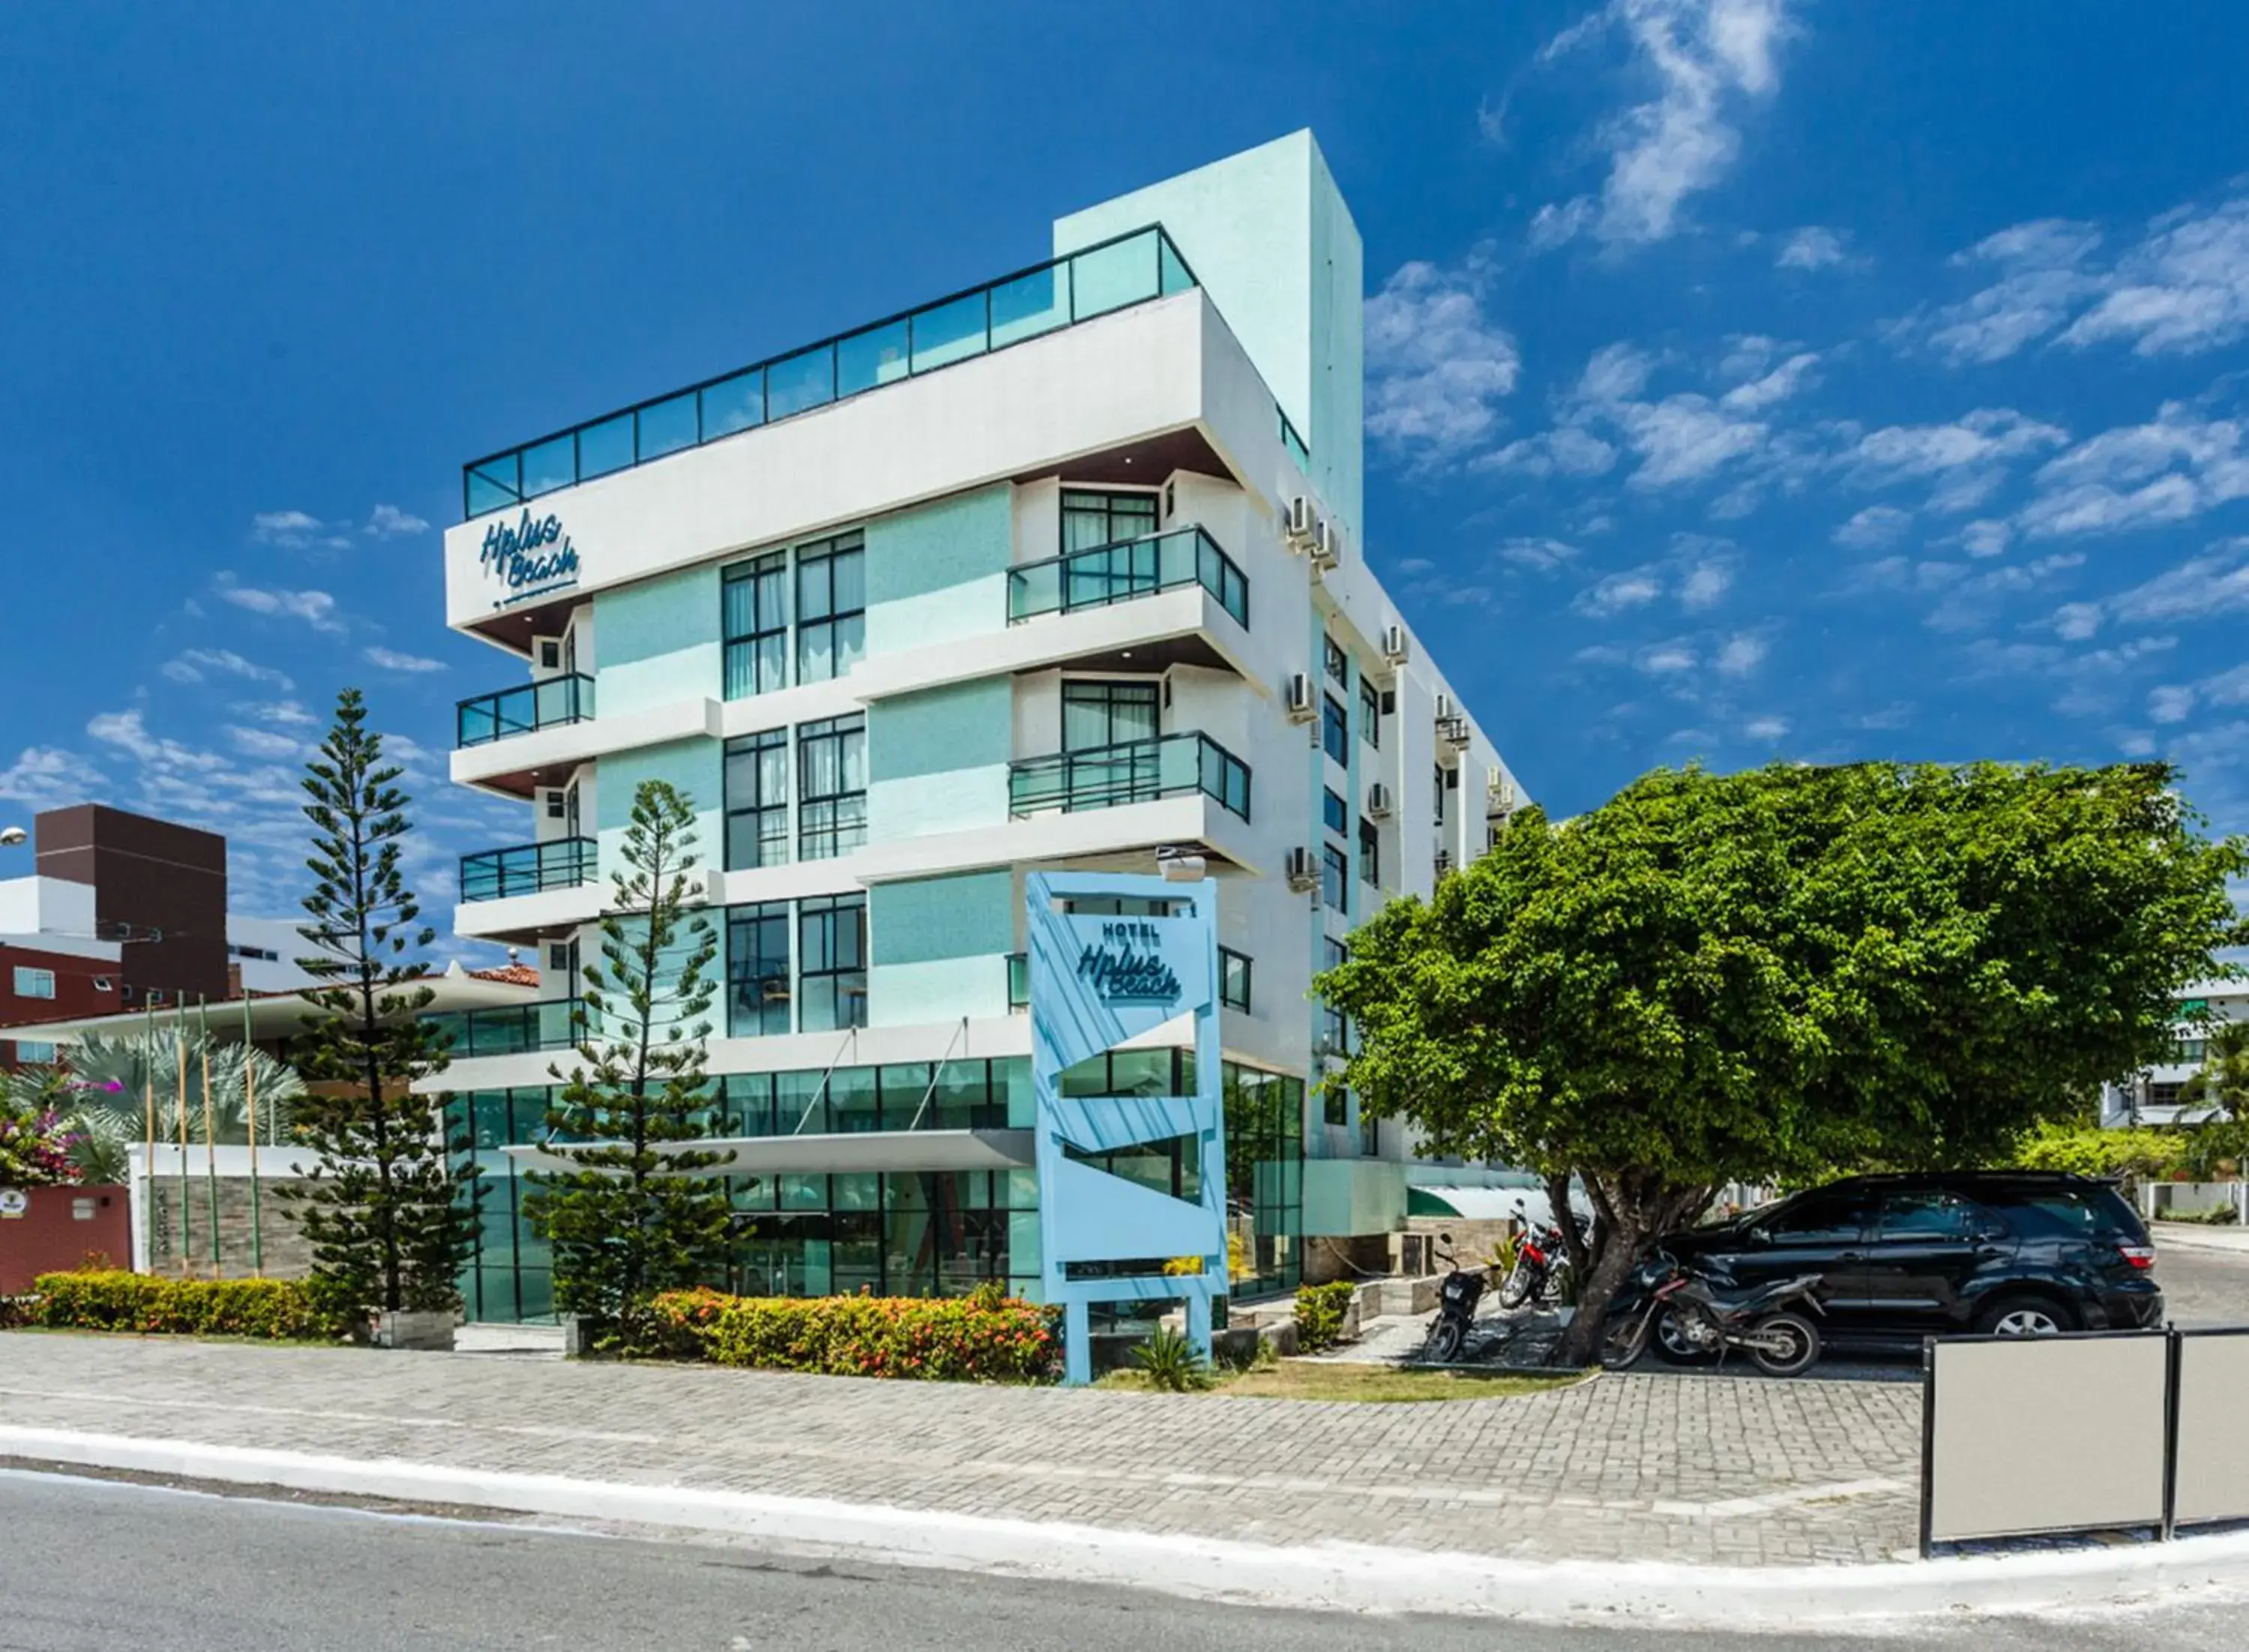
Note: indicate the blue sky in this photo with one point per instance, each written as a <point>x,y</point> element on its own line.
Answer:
<point>1750,378</point>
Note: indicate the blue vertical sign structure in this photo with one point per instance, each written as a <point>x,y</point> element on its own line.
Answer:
<point>1096,982</point>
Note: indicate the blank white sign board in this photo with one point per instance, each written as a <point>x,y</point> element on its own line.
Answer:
<point>2213,1428</point>
<point>2045,1434</point>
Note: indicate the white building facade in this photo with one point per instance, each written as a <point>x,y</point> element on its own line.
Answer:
<point>2153,1097</point>
<point>1054,573</point>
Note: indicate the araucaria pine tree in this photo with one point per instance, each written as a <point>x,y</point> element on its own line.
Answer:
<point>390,1222</point>
<point>638,1212</point>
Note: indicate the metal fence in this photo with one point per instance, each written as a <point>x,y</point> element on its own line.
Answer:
<point>2089,1431</point>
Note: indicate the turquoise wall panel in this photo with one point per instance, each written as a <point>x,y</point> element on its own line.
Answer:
<point>939,573</point>
<point>696,767</point>
<point>928,919</point>
<point>657,641</point>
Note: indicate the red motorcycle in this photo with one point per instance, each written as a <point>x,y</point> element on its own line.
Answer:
<point>1542,1265</point>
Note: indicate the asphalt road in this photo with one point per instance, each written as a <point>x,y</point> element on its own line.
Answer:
<point>93,1565</point>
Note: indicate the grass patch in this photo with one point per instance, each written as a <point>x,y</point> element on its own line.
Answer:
<point>1368,1384</point>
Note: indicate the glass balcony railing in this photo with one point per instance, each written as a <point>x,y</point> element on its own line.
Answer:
<point>1292,442</point>
<point>1106,573</point>
<point>544,705</point>
<point>1129,270</point>
<point>510,1029</point>
<point>529,868</point>
<point>1018,981</point>
<point>1133,772</point>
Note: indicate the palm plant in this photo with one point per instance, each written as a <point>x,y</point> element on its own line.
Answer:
<point>114,1075</point>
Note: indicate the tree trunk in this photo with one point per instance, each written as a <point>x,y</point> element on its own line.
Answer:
<point>1634,1207</point>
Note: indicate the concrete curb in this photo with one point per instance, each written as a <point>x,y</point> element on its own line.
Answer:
<point>1333,1576</point>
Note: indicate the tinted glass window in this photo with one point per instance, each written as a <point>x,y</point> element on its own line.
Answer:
<point>2062,1212</point>
<point>1924,1213</point>
<point>1818,1218</point>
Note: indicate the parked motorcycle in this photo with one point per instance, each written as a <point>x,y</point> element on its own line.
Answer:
<point>1703,1316</point>
<point>1457,1296</point>
<point>1541,1267</point>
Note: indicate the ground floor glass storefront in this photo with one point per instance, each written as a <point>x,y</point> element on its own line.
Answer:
<point>907,1233</point>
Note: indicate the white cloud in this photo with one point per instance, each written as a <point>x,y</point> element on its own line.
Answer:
<point>2180,289</point>
<point>1706,577</point>
<point>1696,574</point>
<point>1684,438</point>
<point>1557,223</point>
<point>1666,658</point>
<point>197,665</point>
<point>1436,369</point>
<point>1635,588</point>
<point>2176,466</point>
<point>392,660</point>
<point>1876,525</point>
<point>1564,450</point>
<point>388,522</point>
<point>315,608</point>
<point>1986,538</point>
<point>1777,386</point>
<point>2169,704</point>
<point>1973,599</point>
<point>1812,247</point>
<point>285,714</point>
<point>264,743</point>
<point>296,530</point>
<point>1706,57</point>
<point>1543,555</point>
<point>1986,436</point>
<point>1740,654</point>
<point>2203,586</point>
<point>46,777</point>
<point>2075,622</point>
<point>1614,373</point>
<point>1766,728</point>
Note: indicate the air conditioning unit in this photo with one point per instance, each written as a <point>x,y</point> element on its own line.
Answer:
<point>1380,804</point>
<point>1303,704</point>
<point>1454,732</point>
<point>1321,547</point>
<point>1301,522</point>
<point>1499,798</point>
<point>1303,869</point>
<point>1395,648</point>
<point>1444,708</point>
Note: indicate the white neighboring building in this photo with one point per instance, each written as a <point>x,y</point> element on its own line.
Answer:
<point>2153,1097</point>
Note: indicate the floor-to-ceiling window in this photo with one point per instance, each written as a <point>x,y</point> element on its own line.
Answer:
<point>1091,517</point>
<point>831,607</point>
<point>755,611</point>
<point>757,970</point>
<point>831,951</point>
<point>831,801</point>
<point>757,799</point>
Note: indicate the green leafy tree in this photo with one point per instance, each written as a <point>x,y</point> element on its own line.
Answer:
<point>2222,1083</point>
<point>1712,978</point>
<point>637,1212</point>
<point>391,1225</point>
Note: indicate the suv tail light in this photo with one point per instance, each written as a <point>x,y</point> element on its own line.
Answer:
<point>2142,1257</point>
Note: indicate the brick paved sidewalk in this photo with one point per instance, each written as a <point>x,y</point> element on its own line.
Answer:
<point>1682,1468</point>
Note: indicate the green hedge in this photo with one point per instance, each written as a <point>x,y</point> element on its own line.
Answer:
<point>115,1300</point>
<point>981,1337</point>
<point>2145,1154</point>
<point>1319,1314</point>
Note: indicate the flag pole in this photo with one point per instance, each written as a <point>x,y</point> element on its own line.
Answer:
<point>180,1074</point>
<point>249,1119</point>
<point>211,1133</point>
<point>149,1156</point>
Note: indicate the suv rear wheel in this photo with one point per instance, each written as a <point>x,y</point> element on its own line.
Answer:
<point>2025,1316</point>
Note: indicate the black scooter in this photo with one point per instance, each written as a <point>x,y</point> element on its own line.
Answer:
<point>1457,1296</point>
<point>1707,1318</point>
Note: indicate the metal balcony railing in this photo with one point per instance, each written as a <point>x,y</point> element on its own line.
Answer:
<point>1131,772</point>
<point>545,704</point>
<point>529,868</point>
<point>1103,574</point>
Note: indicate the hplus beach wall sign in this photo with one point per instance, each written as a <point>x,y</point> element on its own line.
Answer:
<point>530,557</point>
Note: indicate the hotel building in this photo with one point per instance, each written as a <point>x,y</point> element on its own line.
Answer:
<point>1054,573</point>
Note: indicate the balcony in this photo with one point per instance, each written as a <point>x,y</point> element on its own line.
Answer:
<point>547,703</point>
<point>1133,772</point>
<point>1131,269</point>
<point>1104,574</point>
<point>510,1029</point>
<point>529,868</point>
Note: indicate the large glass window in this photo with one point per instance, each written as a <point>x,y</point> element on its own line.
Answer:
<point>757,970</point>
<point>1334,812</point>
<point>1370,853</point>
<point>757,800</point>
<point>1334,660</point>
<point>1439,793</point>
<point>1100,714</point>
<point>1370,713</point>
<point>1335,728</point>
<point>831,764</point>
<point>755,602</point>
<point>1090,518</point>
<point>832,961</point>
<point>831,607</point>
<point>34,983</point>
<point>1335,878</point>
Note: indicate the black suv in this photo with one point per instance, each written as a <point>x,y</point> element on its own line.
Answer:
<point>2013,1253</point>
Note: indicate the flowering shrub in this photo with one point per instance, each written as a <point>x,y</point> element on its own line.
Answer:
<point>35,1149</point>
<point>981,1337</point>
<point>115,1300</point>
<point>1319,1314</point>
